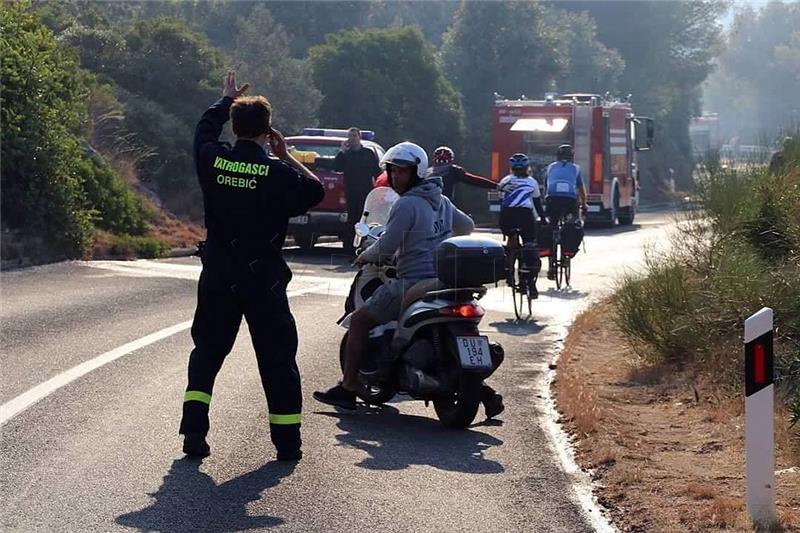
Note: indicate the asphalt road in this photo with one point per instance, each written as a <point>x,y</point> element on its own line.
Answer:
<point>91,444</point>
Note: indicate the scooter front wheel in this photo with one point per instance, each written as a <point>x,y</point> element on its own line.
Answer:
<point>369,394</point>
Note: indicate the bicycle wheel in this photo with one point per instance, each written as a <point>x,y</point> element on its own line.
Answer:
<point>558,260</point>
<point>529,294</point>
<point>518,290</point>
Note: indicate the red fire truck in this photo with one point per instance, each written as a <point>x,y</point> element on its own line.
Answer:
<point>606,136</point>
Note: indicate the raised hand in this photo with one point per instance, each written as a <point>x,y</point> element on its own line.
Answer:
<point>229,87</point>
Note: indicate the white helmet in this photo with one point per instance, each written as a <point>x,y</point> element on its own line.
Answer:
<point>407,154</point>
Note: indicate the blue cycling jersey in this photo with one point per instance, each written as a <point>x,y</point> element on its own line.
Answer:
<point>563,179</point>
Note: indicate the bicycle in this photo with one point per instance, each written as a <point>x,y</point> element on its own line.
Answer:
<point>563,262</point>
<point>520,279</point>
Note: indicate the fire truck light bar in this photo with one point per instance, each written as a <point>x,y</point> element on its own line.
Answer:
<point>553,125</point>
<point>367,135</point>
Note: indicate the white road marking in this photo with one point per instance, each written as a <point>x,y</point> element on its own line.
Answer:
<point>20,403</point>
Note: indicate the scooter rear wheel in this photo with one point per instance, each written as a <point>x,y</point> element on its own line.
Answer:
<point>458,411</point>
<point>369,394</point>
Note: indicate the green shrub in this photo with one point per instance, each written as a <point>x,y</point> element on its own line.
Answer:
<point>656,311</point>
<point>128,247</point>
<point>117,208</point>
<point>738,253</point>
<point>43,110</point>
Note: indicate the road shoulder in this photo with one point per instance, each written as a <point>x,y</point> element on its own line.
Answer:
<point>665,449</point>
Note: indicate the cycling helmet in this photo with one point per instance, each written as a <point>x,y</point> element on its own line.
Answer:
<point>407,154</point>
<point>565,152</point>
<point>519,161</point>
<point>443,156</point>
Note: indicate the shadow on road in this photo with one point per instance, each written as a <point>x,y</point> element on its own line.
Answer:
<point>190,500</point>
<point>565,294</point>
<point>519,328</point>
<point>607,232</point>
<point>395,442</point>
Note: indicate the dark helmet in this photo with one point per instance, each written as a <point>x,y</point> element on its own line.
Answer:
<point>519,161</point>
<point>565,152</point>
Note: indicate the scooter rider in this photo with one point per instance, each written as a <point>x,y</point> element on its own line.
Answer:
<point>248,198</point>
<point>419,221</point>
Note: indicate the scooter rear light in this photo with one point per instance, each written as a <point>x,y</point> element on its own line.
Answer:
<point>464,310</point>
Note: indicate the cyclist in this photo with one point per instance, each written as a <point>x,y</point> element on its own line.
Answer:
<point>519,196</point>
<point>564,188</point>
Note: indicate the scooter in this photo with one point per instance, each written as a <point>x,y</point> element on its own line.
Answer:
<point>434,351</point>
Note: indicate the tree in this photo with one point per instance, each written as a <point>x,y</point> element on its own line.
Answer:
<point>165,77</point>
<point>432,18</point>
<point>389,81</point>
<point>52,190</point>
<point>263,48</point>
<point>757,81</point>
<point>668,49</point>
<point>498,47</point>
<point>586,64</point>
<point>42,112</point>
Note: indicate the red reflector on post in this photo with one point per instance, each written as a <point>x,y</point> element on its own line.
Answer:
<point>759,365</point>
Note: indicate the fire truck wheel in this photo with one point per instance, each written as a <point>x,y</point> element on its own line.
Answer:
<point>612,213</point>
<point>626,216</point>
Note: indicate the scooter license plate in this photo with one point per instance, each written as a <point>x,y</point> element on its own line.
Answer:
<point>474,352</point>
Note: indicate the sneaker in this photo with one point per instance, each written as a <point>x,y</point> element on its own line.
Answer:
<point>290,455</point>
<point>195,445</point>
<point>493,406</point>
<point>337,396</point>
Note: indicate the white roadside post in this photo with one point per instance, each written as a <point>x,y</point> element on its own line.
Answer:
<point>758,415</point>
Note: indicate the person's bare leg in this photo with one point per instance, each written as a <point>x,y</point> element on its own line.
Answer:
<point>357,338</point>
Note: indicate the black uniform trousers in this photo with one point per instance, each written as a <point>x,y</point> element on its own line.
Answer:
<point>230,288</point>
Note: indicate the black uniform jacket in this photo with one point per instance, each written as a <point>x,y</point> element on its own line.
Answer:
<point>359,168</point>
<point>248,196</point>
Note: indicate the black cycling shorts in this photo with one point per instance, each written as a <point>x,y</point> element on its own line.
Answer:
<point>521,219</point>
<point>558,206</point>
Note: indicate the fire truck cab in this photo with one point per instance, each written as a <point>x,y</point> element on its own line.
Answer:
<point>606,136</point>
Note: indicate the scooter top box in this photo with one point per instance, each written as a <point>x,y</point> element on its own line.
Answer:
<point>470,261</point>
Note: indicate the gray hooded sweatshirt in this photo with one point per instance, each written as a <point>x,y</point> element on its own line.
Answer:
<point>418,222</point>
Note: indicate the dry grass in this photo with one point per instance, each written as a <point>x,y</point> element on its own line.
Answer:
<point>628,474</point>
<point>724,511</point>
<point>789,520</point>
<point>603,457</point>
<point>665,445</point>
<point>577,400</point>
<point>580,402</point>
<point>700,491</point>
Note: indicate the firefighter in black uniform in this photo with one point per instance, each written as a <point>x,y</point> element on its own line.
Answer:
<point>248,198</point>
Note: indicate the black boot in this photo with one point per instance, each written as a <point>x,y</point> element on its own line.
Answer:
<point>195,445</point>
<point>337,396</point>
<point>290,455</point>
<point>492,402</point>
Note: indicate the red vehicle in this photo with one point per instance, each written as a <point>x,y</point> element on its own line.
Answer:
<point>602,131</point>
<point>330,216</point>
